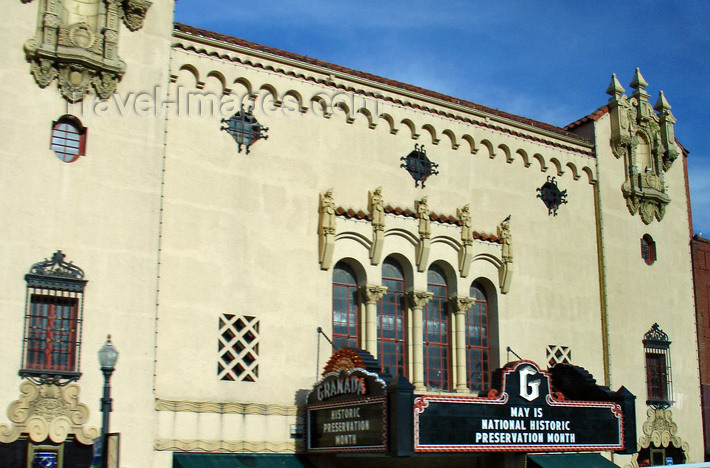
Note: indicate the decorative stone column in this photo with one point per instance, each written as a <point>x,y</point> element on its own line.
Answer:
<point>417,301</point>
<point>461,306</point>
<point>371,295</point>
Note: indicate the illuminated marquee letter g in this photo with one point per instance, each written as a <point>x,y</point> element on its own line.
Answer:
<point>529,390</point>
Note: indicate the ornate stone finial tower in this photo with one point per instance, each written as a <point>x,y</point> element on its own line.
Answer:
<point>646,142</point>
<point>77,43</point>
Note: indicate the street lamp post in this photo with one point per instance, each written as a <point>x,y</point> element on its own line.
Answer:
<point>108,355</point>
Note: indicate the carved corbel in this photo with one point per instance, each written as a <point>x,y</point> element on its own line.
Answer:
<point>376,206</point>
<point>505,277</point>
<point>326,229</point>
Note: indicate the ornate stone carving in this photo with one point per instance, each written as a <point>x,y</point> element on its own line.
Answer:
<point>505,234</point>
<point>646,142</point>
<point>376,206</point>
<point>76,43</point>
<point>371,294</point>
<point>134,12</point>
<point>48,412</point>
<point>423,246</point>
<point>659,430</point>
<point>418,299</point>
<point>326,229</point>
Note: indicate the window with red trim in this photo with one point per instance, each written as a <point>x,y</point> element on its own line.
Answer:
<point>659,384</point>
<point>53,317</point>
<point>391,321</point>
<point>345,307</point>
<point>648,249</point>
<point>478,351</point>
<point>68,139</point>
<point>51,333</point>
<point>436,332</point>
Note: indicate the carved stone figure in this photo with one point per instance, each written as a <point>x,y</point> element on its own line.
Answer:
<point>424,220</point>
<point>376,205</point>
<point>464,216</point>
<point>327,213</point>
<point>504,233</point>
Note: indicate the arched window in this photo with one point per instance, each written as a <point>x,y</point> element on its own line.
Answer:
<point>648,249</point>
<point>478,351</point>
<point>345,308</point>
<point>436,332</point>
<point>68,138</point>
<point>391,320</point>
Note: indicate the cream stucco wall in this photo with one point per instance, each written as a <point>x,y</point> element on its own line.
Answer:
<point>102,211</point>
<point>175,228</point>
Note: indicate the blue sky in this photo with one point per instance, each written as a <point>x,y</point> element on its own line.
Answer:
<point>549,61</point>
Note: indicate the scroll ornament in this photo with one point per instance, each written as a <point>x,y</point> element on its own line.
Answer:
<point>48,412</point>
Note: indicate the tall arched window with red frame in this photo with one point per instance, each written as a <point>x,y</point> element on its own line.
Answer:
<point>478,348</point>
<point>391,321</point>
<point>436,332</point>
<point>346,315</point>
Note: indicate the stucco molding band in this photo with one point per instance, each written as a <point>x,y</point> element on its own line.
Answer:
<point>225,446</point>
<point>48,412</point>
<point>263,409</point>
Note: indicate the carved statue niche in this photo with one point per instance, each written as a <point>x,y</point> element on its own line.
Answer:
<point>646,142</point>
<point>76,42</point>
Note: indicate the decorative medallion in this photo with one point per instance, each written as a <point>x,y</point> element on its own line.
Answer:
<point>552,196</point>
<point>56,273</point>
<point>646,142</point>
<point>76,42</point>
<point>418,165</point>
<point>244,128</point>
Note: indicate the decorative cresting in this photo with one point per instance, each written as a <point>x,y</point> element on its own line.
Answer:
<point>376,206</point>
<point>76,42</point>
<point>646,142</point>
<point>659,430</point>
<point>326,229</point>
<point>418,165</point>
<point>551,195</point>
<point>56,274</point>
<point>48,412</point>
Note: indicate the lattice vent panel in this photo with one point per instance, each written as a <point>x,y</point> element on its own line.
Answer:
<point>557,354</point>
<point>238,348</point>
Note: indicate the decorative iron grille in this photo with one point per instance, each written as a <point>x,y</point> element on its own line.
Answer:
<point>552,196</point>
<point>418,165</point>
<point>244,128</point>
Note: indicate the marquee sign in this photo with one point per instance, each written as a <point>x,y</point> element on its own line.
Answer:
<point>347,408</point>
<point>524,415</point>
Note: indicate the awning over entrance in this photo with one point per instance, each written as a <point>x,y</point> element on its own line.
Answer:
<point>586,460</point>
<point>229,460</point>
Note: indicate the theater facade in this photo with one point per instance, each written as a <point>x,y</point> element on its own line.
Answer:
<point>302,264</point>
